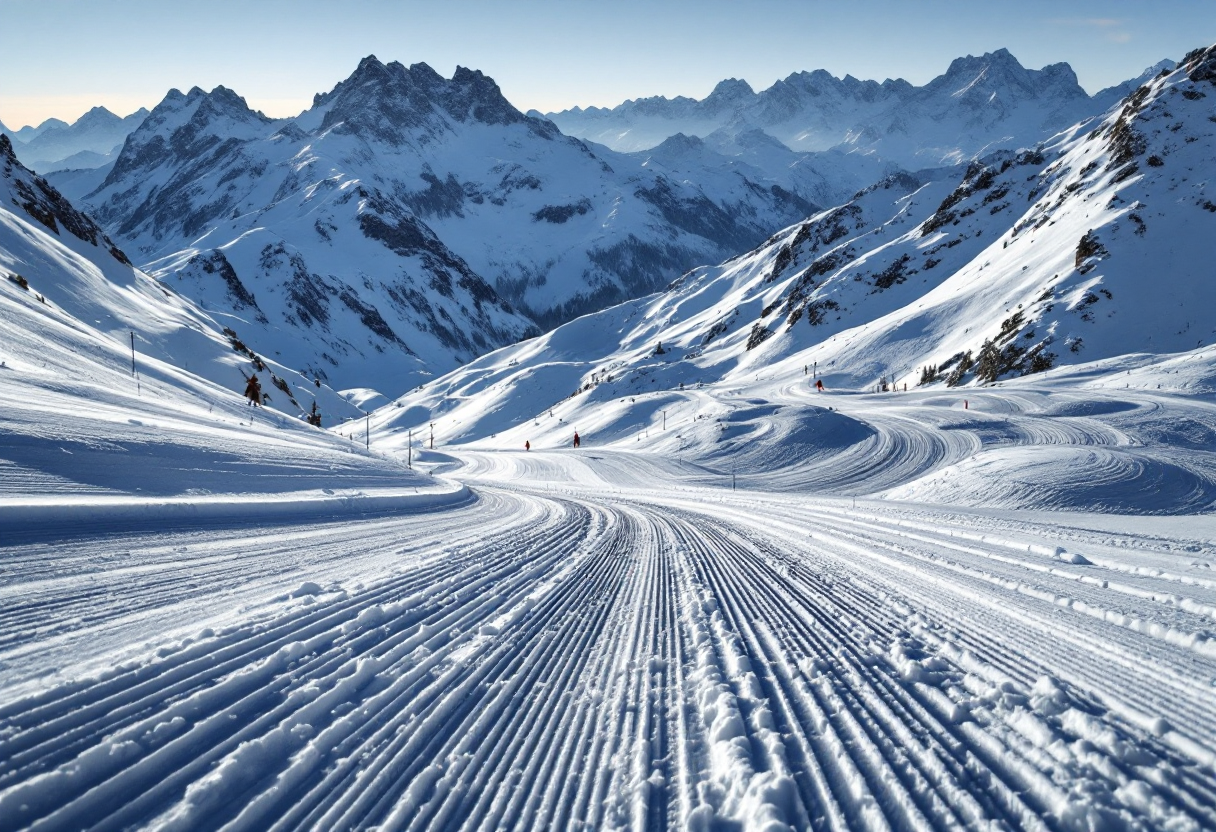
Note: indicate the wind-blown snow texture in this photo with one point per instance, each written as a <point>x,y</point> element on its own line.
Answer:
<point>742,603</point>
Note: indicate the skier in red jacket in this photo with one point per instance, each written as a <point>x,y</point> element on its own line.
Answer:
<point>576,439</point>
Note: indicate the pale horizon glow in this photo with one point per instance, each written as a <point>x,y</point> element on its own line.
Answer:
<point>72,55</point>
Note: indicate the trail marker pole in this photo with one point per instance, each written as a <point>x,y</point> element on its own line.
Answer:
<point>138,391</point>
<point>664,412</point>
<point>367,431</point>
<point>409,450</point>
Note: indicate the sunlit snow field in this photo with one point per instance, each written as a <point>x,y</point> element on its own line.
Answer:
<point>948,609</point>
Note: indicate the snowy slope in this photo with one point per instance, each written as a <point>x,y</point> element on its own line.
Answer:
<point>1035,259</point>
<point>718,160</point>
<point>978,105</point>
<point>400,225</point>
<point>742,604</point>
<point>87,443</point>
<point>74,272</point>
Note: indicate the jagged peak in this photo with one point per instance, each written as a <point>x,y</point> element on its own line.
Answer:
<point>680,143</point>
<point>967,64</point>
<point>368,64</point>
<point>731,88</point>
<point>384,99</point>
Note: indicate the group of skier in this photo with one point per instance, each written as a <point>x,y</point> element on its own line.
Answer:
<point>253,392</point>
<point>577,442</point>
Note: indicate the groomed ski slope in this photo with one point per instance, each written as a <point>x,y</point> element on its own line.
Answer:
<point>614,638</point>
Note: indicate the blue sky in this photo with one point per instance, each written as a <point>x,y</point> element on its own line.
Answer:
<point>60,57</point>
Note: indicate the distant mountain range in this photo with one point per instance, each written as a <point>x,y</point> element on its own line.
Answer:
<point>979,105</point>
<point>91,141</point>
<point>1095,246</point>
<point>407,223</point>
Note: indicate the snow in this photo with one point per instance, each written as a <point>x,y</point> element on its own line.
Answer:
<point>742,603</point>
<point>980,104</point>
<point>406,223</point>
<point>787,609</point>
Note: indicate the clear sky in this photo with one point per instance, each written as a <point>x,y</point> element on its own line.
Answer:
<point>61,57</point>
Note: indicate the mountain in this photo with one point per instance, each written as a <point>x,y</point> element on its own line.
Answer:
<point>978,105</point>
<point>714,162</point>
<point>86,440</point>
<point>60,271</point>
<point>89,142</point>
<point>1095,247</point>
<point>406,222</point>
<point>28,132</point>
<point>1111,96</point>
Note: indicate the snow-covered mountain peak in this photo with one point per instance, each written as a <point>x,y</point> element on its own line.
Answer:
<point>89,142</point>
<point>1091,247</point>
<point>979,104</point>
<point>679,145</point>
<point>97,117</point>
<point>729,92</point>
<point>978,80</point>
<point>401,105</point>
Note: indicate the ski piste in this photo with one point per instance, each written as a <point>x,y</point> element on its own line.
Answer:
<point>742,602</point>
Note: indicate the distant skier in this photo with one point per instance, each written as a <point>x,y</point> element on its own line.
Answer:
<point>576,439</point>
<point>819,384</point>
<point>527,445</point>
<point>253,390</point>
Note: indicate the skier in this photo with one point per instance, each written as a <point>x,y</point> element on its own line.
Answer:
<point>253,390</point>
<point>576,439</point>
<point>819,384</point>
<point>527,445</point>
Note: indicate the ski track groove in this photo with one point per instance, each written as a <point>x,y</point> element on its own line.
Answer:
<point>552,658</point>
